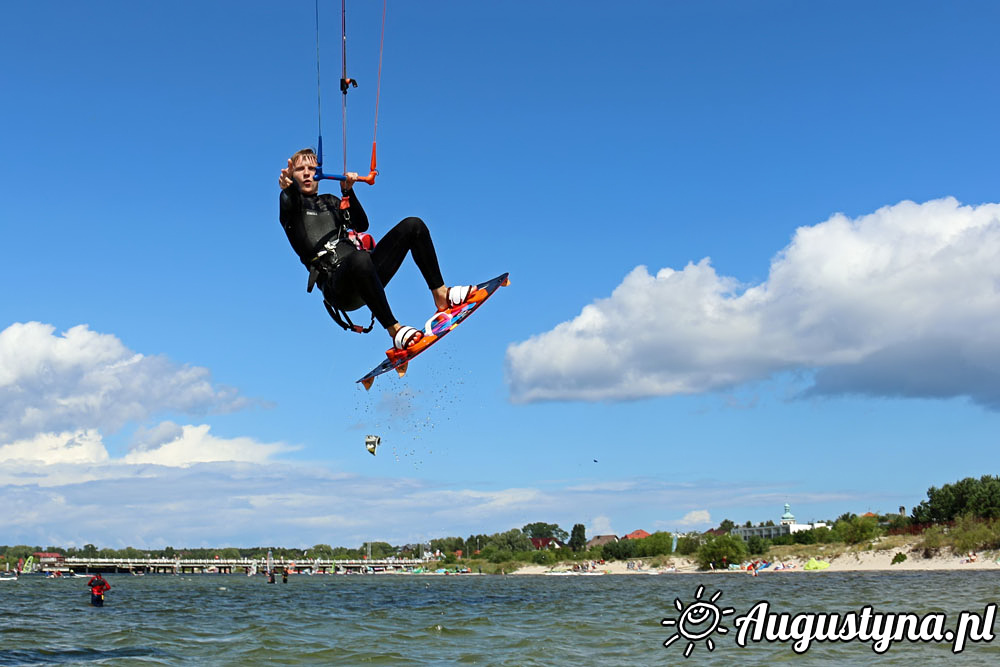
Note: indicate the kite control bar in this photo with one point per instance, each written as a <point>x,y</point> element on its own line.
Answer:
<point>369,179</point>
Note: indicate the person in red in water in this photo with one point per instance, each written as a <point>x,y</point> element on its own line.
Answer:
<point>350,270</point>
<point>98,587</point>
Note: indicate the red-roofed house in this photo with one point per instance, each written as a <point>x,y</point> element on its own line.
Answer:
<point>48,557</point>
<point>636,535</point>
<point>546,543</point>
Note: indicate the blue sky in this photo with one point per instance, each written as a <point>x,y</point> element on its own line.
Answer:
<point>753,250</point>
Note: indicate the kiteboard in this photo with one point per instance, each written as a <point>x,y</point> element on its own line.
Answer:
<point>437,328</point>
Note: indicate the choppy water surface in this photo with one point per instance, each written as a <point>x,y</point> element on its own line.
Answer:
<point>476,620</point>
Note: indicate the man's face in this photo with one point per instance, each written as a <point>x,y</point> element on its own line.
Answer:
<point>303,171</point>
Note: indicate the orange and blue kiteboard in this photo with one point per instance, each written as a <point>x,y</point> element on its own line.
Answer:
<point>437,327</point>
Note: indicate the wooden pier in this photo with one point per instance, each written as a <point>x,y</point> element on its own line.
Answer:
<point>229,565</point>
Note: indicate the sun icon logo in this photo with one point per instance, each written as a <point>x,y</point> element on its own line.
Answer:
<point>697,621</point>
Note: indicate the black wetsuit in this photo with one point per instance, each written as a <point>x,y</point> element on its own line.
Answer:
<point>317,229</point>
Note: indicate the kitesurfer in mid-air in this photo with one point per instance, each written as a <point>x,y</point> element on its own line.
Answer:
<point>349,271</point>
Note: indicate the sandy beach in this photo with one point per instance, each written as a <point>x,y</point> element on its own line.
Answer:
<point>854,561</point>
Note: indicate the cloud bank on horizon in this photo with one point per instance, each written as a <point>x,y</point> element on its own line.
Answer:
<point>903,302</point>
<point>63,484</point>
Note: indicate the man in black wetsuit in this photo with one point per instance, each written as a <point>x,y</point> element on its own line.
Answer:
<point>349,276</point>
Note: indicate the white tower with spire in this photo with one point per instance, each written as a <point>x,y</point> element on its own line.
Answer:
<point>787,519</point>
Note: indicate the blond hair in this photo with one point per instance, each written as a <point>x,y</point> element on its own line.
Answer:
<point>305,152</point>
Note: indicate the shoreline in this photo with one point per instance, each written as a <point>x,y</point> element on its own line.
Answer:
<point>859,561</point>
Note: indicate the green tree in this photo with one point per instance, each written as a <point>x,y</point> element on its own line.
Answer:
<point>898,521</point>
<point>578,540</point>
<point>659,543</point>
<point>979,498</point>
<point>343,553</point>
<point>511,541</point>
<point>804,537</point>
<point>857,529</point>
<point>718,547</point>
<point>324,551</point>
<point>545,530</point>
<point>380,550</point>
<point>971,533</point>
<point>823,535</point>
<point>447,544</point>
<point>688,545</point>
<point>543,557</point>
<point>475,543</point>
<point>20,551</point>
<point>727,525</point>
<point>620,550</point>
<point>758,546</point>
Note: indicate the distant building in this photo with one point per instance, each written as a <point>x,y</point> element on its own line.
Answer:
<point>636,535</point>
<point>546,543</point>
<point>601,540</point>
<point>787,526</point>
<point>48,558</point>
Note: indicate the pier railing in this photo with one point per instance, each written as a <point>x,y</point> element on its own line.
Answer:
<point>230,565</point>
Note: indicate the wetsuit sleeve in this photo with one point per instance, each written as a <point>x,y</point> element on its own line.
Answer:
<point>359,219</point>
<point>290,215</point>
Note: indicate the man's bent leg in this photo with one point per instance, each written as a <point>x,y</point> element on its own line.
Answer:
<point>410,235</point>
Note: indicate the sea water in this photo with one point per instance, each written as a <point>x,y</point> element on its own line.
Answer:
<point>475,620</point>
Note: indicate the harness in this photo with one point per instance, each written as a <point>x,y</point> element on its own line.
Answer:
<point>322,268</point>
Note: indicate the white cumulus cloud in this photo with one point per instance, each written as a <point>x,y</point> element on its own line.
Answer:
<point>49,459</point>
<point>600,525</point>
<point>56,448</point>
<point>695,518</point>
<point>82,379</point>
<point>904,301</point>
<point>194,444</point>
